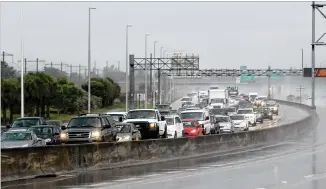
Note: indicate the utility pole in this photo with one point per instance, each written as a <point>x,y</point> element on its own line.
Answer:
<point>300,89</point>
<point>4,54</point>
<point>61,65</point>
<point>313,44</point>
<point>37,61</point>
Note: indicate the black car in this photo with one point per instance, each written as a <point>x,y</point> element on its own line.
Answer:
<point>50,133</point>
<point>58,123</point>
<point>89,128</point>
<point>259,115</point>
<point>267,113</point>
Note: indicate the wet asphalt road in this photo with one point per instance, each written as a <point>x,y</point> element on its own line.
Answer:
<point>250,168</point>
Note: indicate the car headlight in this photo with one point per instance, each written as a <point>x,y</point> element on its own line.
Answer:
<point>48,140</point>
<point>25,145</point>
<point>63,136</point>
<point>152,125</point>
<point>127,138</point>
<point>95,134</point>
<point>193,131</point>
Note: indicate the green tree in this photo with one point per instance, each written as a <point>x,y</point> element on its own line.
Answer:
<point>67,95</point>
<point>7,71</point>
<point>10,89</point>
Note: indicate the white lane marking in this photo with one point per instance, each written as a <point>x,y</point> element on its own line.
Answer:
<point>260,188</point>
<point>308,176</point>
<point>284,182</point>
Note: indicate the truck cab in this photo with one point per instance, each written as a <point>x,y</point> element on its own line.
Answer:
<point>149,122</point>
<point>202,116</point>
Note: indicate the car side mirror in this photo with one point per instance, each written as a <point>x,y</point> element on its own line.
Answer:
<point>162,118</point>
<point>120,119</point>
<point>8,126</point>
<point>63,127</point>
<point>207,118</point>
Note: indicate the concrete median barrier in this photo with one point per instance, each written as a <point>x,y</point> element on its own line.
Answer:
<point>55,160</point>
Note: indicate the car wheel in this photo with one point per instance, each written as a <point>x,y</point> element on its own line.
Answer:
<point>254,124</point>
<point>137,138</point>
<point>175,135</point>
<point>271,118</point>
<point>262,121</point>
<point>277,113</point>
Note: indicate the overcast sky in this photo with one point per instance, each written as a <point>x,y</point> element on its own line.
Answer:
<point>224,34</point>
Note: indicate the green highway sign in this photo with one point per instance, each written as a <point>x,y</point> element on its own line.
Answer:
<point>245,77</point>
<point>275,76</point>
<point>243,67</point>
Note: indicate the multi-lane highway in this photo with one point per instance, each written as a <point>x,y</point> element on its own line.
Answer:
<point>256,167</point>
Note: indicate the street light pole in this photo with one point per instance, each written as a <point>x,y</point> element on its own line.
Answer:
<point>22,69</point>
<point>146,35</point>
<point>154,86</point>
<point>127,65</point>
<point>89,59</point>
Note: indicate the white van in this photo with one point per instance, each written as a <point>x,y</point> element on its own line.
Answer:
<point>202,116</point>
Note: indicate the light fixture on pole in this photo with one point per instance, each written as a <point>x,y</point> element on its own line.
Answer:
<point>146,35</point>
<point>127,65</point>
<point>89,59</point>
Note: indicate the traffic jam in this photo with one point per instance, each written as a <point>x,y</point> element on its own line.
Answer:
<point>215,111</point>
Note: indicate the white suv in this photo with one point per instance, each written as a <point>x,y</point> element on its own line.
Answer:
<point>249,115</point>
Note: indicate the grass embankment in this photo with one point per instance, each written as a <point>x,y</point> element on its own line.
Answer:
<point>59,116</point>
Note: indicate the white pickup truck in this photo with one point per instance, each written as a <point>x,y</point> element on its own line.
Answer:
<point>149,122</point>
<point>249,115</point>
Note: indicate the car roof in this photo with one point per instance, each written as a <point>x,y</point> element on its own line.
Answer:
<point>20,118</point>
<point>190,120</point>
<point>116,113</point>
<point>199,111</point>
<point>142,110</point>
<point>20,131</point>
<point>245,108</point>
<point>44,126</point>
<point>221,116</point>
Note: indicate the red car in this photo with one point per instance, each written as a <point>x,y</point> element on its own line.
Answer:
<point>192,128</point>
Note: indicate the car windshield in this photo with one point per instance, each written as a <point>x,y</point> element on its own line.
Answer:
<point>192,115</point>
<point>237,117</point>
<point>185,99</point>
<point>42,130</point>
<point>163,107</point>
<point>116,117</point>
<point>54,122</point>
<point>222,119</point>
<point>218,111</point>
<point>230,109</point>
<point>243,102</point>
<point>257,110</point>
<point>245,112</point>
<point>261,98</point>
<point>217,100</point>
<point>188,124</point>
<point>85,122</point>
<point>125,129</point>
<point>142,114</point>
<point>169,121</point>
<point>203,96</point>
<point>16,136</point>
<point>25,122</point>
<point>270,103</point>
